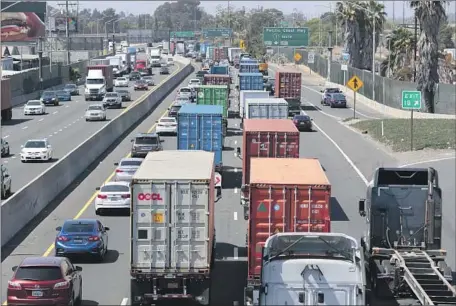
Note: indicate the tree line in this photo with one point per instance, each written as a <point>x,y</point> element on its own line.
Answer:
<point>351,26</point>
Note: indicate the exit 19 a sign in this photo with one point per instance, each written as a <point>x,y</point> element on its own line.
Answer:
<point>411,99</point>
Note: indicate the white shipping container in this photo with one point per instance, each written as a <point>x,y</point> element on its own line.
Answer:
<point>270,108</point>
<point>99,61</point>
<point>250,94</point>
<point>172,221</point>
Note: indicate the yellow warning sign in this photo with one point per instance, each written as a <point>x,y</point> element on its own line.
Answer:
<point>297,57</point>
<point>276,231</point>
<point>242,44</point>
<point>355,83</point>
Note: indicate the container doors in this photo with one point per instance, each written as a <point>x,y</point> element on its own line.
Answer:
<point>310,210</point>
<point>211,135</point>
<point>150,219</point>
<point>189,243</point>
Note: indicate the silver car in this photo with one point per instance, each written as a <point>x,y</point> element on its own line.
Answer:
<point>149,80</point>
<point>95,112</point>
<point>126,168</point>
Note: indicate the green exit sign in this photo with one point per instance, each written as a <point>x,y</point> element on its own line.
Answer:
<point>411,99</point>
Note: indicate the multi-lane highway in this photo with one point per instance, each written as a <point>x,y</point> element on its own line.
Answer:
<point>63,125</point>
<point>348,159</point>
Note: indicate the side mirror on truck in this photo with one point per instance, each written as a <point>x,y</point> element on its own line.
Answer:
<point>361,207</point>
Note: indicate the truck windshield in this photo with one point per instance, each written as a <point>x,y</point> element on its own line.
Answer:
<point>95,81</point>
<point>311,245</point>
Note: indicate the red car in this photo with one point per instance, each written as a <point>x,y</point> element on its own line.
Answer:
<point>45,281</point>
<point>141,85</point>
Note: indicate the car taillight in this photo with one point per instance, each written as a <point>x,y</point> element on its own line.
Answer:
<point>63,238</point>
<point>102,196</point>
<point>62,285</point>
<point>94,238</point>
<point>125,196</point>
<point>118,170</point>
<point>14,286</point>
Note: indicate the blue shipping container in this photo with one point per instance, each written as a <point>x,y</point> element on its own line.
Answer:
<point>246,60</point>
<point>219,69</point>
<point>250,81</point>
<point>203,47</point>
<point>200,127</point>
<point>252,68</point>
<point>131,50</point>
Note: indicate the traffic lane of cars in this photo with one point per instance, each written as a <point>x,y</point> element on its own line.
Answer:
<point>63,137</point>
<point>112,275</point>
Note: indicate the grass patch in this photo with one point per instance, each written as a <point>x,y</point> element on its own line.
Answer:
<point>427,133</point>
<point>349,119</point>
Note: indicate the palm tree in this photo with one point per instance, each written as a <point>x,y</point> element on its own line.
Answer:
<point>430,15</point>
<point>348,15</point>
<point>400,54</point>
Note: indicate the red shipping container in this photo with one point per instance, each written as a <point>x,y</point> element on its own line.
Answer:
<point>281,190</point>
<point>288,85</point>
<point>218,54</point>
<point>278,138</point>
<point>216,79</point>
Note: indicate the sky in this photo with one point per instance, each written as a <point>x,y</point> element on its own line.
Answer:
<point>310,8</point>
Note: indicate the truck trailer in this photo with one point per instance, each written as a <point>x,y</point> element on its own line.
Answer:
<point>172,228</point>
<point>7,107</point>
<point>403,237</point>
<point>288,86</point>
<point>285,195</point>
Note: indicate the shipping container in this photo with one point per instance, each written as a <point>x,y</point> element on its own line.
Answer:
<point>217,79</point>
<point>288,86</point>
<point>225,52</point>
<point>268,138</point>
<point>249,68</point>
<point>218,54</point>
<point>201,127</point>
<point>248,60</point>
<point>250,94</point>
<point>99,61</point>
<point>172,226</point>
<point>172,47</point>
<point>217,69</point>
<point>270,108</point>
<point>285,195</point>
<point>131,50</point>
<point>7,107</point>
<point>210,53</point>
<point>213,95</point>
<point>251,81</point>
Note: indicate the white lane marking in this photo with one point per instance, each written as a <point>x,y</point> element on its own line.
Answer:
<point>235,216</point>
<point>235,155</point>
<point>427,161</point>
<point>350,162</point>
<point>5,161</point>
<point>25,127</point>
<point>67,106</point>
<point>4,137</point>
<point>55,112</point>
<point>13,157</point>
<point>235,142</point>
<point>41,120</point>
<point>60,130</point>
<point>235,190</point>
<point>55,133</point>
<point>235,253</point>
<point>51,135</point>
<point>124,302</point>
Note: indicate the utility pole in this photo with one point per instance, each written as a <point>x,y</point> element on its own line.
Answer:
<point>40,60</point>
<point>415,48</point>
<point>67,28</point>
<point>330,49</point>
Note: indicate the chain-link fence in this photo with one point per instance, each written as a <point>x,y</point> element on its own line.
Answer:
<point>387,91</point>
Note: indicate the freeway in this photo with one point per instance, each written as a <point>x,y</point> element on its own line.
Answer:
<point>348,159</point>
<point>63,125</point>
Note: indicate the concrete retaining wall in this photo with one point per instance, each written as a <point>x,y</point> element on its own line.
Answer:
<point>31,199</point>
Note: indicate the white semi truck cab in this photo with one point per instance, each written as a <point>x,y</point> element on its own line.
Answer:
<point>155,57</point>
<point>311,269</point>
<point>95,88</point>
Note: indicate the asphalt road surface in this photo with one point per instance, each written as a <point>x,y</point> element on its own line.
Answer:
<point>348,159</point>
<point>63,125</point>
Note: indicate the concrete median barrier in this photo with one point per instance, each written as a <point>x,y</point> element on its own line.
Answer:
<point>33,198</point>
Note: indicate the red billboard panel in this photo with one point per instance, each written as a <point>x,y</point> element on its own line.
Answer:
<point>22,21</point>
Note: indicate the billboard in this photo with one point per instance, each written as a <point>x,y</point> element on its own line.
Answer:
<point>58,24</point>
<point>22,21</point>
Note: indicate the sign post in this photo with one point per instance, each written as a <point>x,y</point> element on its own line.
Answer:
<point>354,84</point>
<point>344,66</point>
<point>411,100</point>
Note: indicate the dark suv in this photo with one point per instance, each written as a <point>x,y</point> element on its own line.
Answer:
<point>45,281</point>
<point>145,143</point>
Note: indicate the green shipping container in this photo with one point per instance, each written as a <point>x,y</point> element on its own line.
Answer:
<point>213,95</point>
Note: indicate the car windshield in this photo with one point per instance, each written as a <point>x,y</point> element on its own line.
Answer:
<point>304,118</point>
<point>168,120</point>
<point>115,188</point>
<point>121,79</point>
<point>48,94</point>
<point>35,144</point>
<point>175,108</point>
<point>70,86</point>
<point>140,82</point>
<point>185,90</point>
<point>130,162</point>
<point>34,103</point>
<point>338,96</point>
<point>38,273</point>
<point>111,95</point>
<point>95,81</point>
<point>72,227</point>
<point>95,107</point>
<point>146,140</point>
<point>332,90</point>
<point>62,92</point>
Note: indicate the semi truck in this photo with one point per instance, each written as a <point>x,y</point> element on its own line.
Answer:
<point>155,57</point>
<point>284,195</point>
<point>172,228</point>
<point>116,63</point>
<point>99,81</point>
<point>180,48</point>
<point>233,55</point>
<point>312,269</point>
<point>402,243</point>
<point>7,107</point>
<point>288,86</point>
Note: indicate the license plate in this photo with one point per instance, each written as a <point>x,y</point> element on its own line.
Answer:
<point>77,240</point>
<point>158,218</point>
<point>37,293</point>
<point>302,123</point>
<point>173,285</point>
<point>114,198</point>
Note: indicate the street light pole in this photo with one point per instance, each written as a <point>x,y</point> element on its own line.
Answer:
<point>373,57</point>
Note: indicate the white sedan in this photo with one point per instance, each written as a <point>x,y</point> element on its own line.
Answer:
<point>113,195</point>
<point>95,112</point>
<point>121,82</point>
<point>34,107</point>
<point>166,125</point>
<point>36,149</point>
